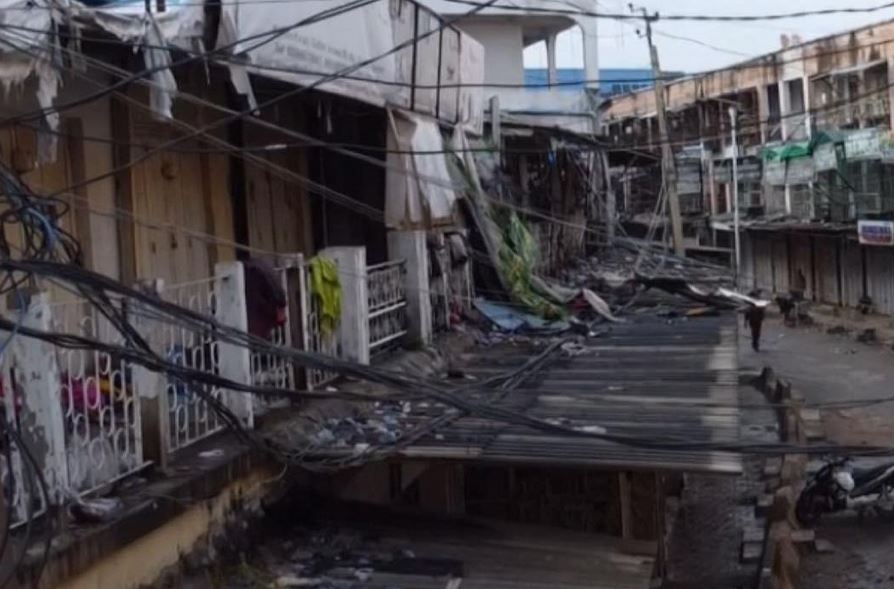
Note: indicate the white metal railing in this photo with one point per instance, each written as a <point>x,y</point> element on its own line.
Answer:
<point>272,370</point>
<point>94,417</point>
<point>386,284</point>
<point>100,401</point>
<point>190,419</point>
<point>315,338</point>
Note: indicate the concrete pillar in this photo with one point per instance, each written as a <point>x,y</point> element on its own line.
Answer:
<point>353,328</point>
<point>150,385</point>
<point>763,111</point>
<point>785,109</point>
<point>410,246</point>
<point>235,360</point>
<point>589,33</point>
<point>552,74</point>
<point>808,123</point>
<point>40,415</point>
<point>891,92</point>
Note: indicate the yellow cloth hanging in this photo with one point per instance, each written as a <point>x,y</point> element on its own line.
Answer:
<point>326,290</point>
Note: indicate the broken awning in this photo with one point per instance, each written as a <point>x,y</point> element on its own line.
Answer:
<point>26,51</point>
<point>291,43</point>
<point>419,189</point>
<point>788,151</point>
<point>381,52</point>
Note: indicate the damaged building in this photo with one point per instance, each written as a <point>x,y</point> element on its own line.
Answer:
<point>813,126</point>
<point>345,268</point>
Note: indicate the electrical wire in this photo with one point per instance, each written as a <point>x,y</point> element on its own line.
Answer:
<point>686,17</point>
<point>601,15</point>
<point>375,215</point>
<point>266,36</point>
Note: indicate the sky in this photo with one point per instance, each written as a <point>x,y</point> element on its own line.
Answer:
<point>621,47</point>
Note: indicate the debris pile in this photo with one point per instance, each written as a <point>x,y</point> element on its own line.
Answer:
<point>384,424</point>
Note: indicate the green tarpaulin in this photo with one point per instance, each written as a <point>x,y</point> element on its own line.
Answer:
<point>789,151</point>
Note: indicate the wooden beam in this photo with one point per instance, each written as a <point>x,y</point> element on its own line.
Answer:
<point>626,505</point>
<point>74,129</point>
<point>124,194</point>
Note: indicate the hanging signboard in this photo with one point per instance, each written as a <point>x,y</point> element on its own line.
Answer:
<point>879,233</point>
<point>825,157</point>
<point>282,47</point>
<point>800,171</point>
<point>689,177</point>
<point>774,172</point>
<point>864,144</point>
<point>749,170</point>
<point>887,147</point>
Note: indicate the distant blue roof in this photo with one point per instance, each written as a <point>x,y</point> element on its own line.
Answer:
<point>612,80</point>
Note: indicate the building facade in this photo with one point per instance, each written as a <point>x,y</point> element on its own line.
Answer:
<point>812,129</point>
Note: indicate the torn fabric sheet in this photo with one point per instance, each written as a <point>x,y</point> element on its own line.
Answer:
<point>178,26</point>
<point>419,185</point>
<point>23,54</point>
<point>158,61</point>
<point>238,70</point>
<point>276,48</point>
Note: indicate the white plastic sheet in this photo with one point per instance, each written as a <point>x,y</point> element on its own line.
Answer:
<point>278,47</point>
<point>419,191</point>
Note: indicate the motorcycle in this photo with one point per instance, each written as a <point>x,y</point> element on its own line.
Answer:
<point>837,486</point>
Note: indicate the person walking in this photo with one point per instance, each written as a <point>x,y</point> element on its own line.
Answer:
<point>754,316</point>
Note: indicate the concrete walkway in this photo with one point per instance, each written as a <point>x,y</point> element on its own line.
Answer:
<point>829,368</point>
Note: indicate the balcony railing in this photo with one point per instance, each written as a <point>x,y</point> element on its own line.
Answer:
<point>86,412</point>
<point>387,303</point>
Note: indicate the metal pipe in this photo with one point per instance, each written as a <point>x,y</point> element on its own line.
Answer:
<point>735,191</point>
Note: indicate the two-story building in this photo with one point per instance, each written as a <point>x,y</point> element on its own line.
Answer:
<point>813,125</point>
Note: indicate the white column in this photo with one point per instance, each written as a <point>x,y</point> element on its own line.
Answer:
<point>763,111</point>
<point>552,75</point>
<point>235,360</point>
<point>410,246</point>
<point>150,385</point>
<point>785,109</point>
<point>891,92</point>
<point>808,126</point>
<point>591,50</point>
<point>40,416</point>
<point>353,328</point>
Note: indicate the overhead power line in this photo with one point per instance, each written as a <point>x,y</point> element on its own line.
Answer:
<point>753,62</point>
<point>689,17</point>
<point>266,38</point>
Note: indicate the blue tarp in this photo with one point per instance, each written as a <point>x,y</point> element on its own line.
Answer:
<point>514,320</point>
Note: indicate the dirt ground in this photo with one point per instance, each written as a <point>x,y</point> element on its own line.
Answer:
<point>830,368</point>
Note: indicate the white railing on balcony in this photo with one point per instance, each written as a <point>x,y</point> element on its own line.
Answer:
<point>273,370</point>
<point>386,284</point>
<point>87,413</point>
<point>100,401</point>
<point>189,416</point>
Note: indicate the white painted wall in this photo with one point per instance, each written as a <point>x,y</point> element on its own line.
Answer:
<point>503,50</point>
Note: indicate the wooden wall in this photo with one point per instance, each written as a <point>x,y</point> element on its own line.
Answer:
<point>277,208</point>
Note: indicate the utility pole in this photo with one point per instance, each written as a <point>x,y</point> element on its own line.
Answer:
<point>733,112</point>
<point>668,169</point>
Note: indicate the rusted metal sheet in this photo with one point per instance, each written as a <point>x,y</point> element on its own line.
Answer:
<point>763,262</point>
<point>747,276</point>
<point>802,262</point>
<point>781,274</point>
<point>851,274</point>
<point>690,391</point>
<point>880,274</point>
<point>826,270</point>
